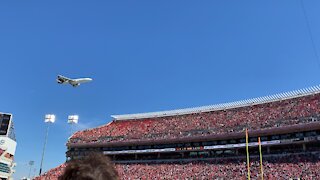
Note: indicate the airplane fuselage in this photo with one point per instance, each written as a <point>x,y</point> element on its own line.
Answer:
<point>73,82</point>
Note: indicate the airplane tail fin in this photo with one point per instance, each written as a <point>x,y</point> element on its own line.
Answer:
<point>60,76</point>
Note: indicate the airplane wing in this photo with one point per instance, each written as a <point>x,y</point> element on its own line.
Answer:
<point>73,82</point>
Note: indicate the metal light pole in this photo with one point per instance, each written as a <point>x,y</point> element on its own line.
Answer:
<point>49,118</point>
<point>31,163</point>
<point>72,120</point>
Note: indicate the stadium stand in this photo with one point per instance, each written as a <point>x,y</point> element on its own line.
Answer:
<point>283,167</point>
<point>255,117</point>
<point>209,142</point>
<point>294,166</point>
<point>53,173</point>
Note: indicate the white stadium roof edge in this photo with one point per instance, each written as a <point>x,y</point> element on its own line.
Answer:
<point>222,106</point>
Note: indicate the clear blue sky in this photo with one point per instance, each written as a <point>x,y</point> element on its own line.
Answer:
<point>144,56</point>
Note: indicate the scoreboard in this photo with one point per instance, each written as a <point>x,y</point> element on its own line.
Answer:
<point>5,120</point>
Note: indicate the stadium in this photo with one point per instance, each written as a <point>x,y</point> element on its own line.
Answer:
<point>209,142</point>
<point>8,146</point>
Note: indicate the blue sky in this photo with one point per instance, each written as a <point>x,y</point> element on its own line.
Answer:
<point>144,56</point>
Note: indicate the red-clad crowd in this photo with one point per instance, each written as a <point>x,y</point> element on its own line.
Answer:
<point>52,173</point>
<point>255,117</point>
<point>284,167</point>
<point>303,166</point>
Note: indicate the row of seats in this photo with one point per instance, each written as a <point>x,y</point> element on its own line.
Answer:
<point>254,117</point>
<point>290,166</point>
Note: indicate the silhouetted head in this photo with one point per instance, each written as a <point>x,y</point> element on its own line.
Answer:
<point>96,166</point>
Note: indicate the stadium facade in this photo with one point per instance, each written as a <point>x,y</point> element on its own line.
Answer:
<point>7,146</point>
<point>209,141</point>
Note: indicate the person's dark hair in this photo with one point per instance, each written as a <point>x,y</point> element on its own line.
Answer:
<point>96,166</point>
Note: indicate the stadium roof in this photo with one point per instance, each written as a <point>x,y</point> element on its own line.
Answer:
<point>222,106</point>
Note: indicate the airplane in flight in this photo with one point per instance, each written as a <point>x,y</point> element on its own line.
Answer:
<point>74,82</point>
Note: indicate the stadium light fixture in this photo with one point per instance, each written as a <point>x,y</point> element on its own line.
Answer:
<point>49,119</point>
<point>73,119</point>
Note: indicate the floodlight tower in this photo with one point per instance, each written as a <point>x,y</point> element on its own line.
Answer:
<point>31,163</point>
<point>72,120</point>
<point>49,119</point>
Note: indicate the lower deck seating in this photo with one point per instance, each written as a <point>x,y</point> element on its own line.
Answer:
<point>284,166</point>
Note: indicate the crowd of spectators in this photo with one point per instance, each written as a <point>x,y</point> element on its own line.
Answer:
<point>289,166</point>
<point>52,174</point>
<point>254,117</point>
<point>283,167</point>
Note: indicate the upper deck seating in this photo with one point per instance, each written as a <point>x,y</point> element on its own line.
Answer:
<point>274,114</point>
